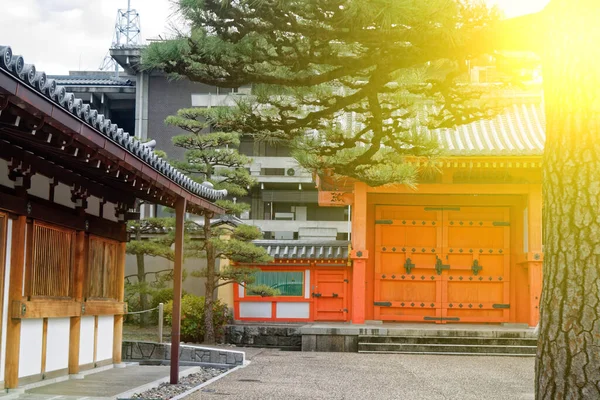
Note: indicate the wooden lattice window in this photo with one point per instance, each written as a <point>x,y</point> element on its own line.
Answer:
<point>51,263</point>
<point>102,268</point>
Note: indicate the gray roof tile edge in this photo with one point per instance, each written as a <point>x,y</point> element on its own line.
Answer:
<point>305,249</point>
<point>15,66</point>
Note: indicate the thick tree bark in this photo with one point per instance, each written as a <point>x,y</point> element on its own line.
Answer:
<point>141,271</point>
<point>568,358</point>
<point>209,328</point>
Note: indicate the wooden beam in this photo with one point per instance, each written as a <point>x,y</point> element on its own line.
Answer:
<point>44,344</point>
<point>180,207</point>
<point>79,276</point>
<point>104,307</point>
<point>44,309</point>
<point>21,309</point>
<point>15,292</point>
<point>57,214</point>
<point>95,339</point>
<point>118,326</point>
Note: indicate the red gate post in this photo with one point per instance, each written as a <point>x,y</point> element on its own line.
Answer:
<point>180,206</point>
<point>359,253</point>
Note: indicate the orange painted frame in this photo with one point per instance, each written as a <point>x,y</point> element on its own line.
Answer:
<point>312,267</point>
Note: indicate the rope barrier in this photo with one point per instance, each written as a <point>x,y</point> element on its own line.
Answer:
<point>141,312</point>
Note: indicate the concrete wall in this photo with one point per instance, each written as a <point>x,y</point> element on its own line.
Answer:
<point>139,351</point>
<point>165,97</point>
<point>191,284</point>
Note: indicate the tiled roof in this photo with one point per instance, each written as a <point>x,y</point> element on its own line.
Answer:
<point>305,249</point>
<point>89,80</point>
<point>15,65</point>
<point>520,131</point>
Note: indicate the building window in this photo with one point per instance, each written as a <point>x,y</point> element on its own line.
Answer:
<point>51,260</point>
<point>289,283</point>
<point>102,268</point>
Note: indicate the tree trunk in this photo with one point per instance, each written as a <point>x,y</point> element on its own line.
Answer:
<point>209,328</point>
<point>141,271</point>
<point>568,357</point>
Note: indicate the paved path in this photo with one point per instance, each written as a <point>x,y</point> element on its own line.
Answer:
<point>296,375</point>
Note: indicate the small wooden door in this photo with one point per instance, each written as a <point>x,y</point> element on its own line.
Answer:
<point>330,295</point>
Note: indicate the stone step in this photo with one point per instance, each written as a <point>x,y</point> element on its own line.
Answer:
<point>448,340</point>
<point>434,348</point>
<point>448,353</point>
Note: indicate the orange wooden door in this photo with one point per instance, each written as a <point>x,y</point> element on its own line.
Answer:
<point>408,244</point>
<point>442,264</point>
<point>477,249</point>
<point>330,295</point>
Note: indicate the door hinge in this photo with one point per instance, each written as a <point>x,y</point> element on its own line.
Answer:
<point>476,267</point>
<point>346,281</point>
<point>408,265</point>
<point>316,295</point>
<point>345,310</point>
<point>501,306</point>
<point>334,294</point>
<point>384,222</point>
<point>383,303</point>
<point>501,223</point>
<point>440,266</point>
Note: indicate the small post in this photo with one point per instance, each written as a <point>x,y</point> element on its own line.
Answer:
<point>161,308</point>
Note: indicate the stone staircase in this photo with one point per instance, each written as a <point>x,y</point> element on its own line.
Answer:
<point>463,343</point>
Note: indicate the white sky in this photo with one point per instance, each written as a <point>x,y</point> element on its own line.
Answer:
<point>63,35</point>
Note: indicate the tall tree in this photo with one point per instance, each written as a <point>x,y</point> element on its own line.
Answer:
<point>568,364</point>
<point>318,66</point>
<point>212,158</point>
<point>565,34</point>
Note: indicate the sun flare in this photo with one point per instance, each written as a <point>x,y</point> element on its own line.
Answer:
<point>515,8</point>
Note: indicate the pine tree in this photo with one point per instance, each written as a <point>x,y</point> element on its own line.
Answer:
<point>159,245</point>
<point>345,82</point>
<point>211,157</point>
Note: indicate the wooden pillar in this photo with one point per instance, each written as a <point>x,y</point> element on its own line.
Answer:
<point>359,253</point>
<point>180,207</point>
<point>79,267</point>
<point>15,293</point>
<point>535,255</point>
<point>118,328</point>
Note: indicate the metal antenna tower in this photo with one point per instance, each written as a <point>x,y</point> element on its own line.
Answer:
<point>127,33</point>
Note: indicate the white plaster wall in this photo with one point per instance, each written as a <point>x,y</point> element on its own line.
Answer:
<point>4,181</point>
<point>307,284</point>
<point>57,344</point>
<point>241,291</point>
<point>30,352</point>
<point>109,212</point>
<point>62,195</point>
<point>93,207</point>
<point>5,298</point>
<point>40,187</point>
<point>106,327</point>
<point>293,310</point>
<point>255,310</point>
<point>86,341</point>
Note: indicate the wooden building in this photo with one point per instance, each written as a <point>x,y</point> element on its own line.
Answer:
<point>465,246</point>
<point>69,179</point>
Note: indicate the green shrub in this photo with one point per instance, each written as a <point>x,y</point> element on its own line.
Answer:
<point>192,318</point>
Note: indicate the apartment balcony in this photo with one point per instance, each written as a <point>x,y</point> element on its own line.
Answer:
<point>279,170</point>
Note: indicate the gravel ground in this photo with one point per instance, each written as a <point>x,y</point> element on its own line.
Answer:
<point>166,391</point>
<point>348,376</point>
